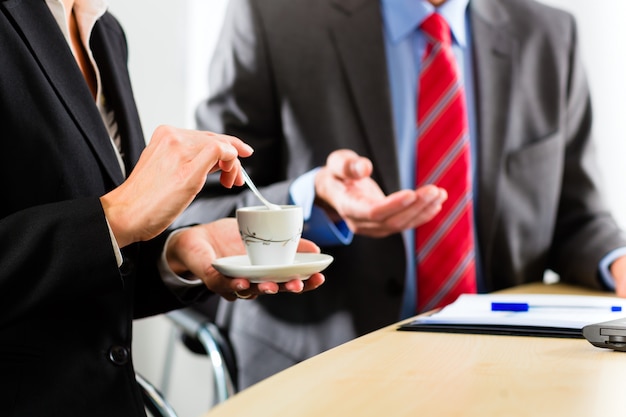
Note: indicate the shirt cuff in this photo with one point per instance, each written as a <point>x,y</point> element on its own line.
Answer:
<point>302,192</point>
<point>116,246</point>
<point>318,227</point>
<point>177,284</point>
<point>605,264</point>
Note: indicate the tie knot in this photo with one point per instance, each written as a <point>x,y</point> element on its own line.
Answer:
<point>436,27</point>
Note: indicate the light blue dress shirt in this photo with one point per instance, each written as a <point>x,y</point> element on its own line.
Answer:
<point>405,45</point>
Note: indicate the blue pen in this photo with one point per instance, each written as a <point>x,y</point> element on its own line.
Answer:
<point>518,307</point>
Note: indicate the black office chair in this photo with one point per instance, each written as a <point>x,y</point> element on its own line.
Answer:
<point>155,402</point>
<point>195,327</point>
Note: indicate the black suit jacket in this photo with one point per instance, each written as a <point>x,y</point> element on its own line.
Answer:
<point>65,307</point>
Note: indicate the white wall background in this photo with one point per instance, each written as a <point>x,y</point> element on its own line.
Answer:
<point>170,44</point>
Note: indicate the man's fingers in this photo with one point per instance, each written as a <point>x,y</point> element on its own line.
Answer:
<point>400,201</point>
<point>347,164</point>
<point>360,168</point>
<point>399,211</point>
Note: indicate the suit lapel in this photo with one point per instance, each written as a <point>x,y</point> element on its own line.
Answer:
<point>362,55</point>
<point>42,34</point>
<point>494,68</point>
<point>110,55</point>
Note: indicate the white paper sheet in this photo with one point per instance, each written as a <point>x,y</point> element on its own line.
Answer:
<point>546,310</point>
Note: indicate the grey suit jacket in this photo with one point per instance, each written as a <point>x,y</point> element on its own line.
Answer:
<point>298,79</point>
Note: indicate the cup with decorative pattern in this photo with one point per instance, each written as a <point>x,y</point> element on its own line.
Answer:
<point>270,237</point>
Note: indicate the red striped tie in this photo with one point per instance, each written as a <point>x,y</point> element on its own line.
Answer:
<point>445,245</point>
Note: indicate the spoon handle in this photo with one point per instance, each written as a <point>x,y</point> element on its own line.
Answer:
<point>256,192</point>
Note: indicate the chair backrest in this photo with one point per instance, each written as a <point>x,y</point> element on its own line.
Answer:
<point>155,402</point>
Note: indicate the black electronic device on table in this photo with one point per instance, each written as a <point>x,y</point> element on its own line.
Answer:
<point>608,334</point>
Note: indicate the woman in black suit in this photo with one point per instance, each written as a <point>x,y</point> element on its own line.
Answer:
<point>85,210</point>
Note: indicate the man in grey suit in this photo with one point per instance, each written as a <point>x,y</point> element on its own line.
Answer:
<point>301,80</point>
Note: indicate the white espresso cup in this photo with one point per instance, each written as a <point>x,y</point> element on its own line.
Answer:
<point>271,237</point>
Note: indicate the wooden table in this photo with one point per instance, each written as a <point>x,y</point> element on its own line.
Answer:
<point>389,373</point>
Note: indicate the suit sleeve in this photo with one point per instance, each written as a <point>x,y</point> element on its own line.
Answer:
<point>53,254</point>
<point>585,231</point>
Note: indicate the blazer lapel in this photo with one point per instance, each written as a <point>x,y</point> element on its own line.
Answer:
<point>494,52</point>
<point>42,34</point>
<point>110,53</point>
<point>362,54</point>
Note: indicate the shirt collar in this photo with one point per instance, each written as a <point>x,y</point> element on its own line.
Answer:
<point>87,13</point>
<point>402,17</point>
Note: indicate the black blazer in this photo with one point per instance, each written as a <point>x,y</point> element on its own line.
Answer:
<point>65,307</point>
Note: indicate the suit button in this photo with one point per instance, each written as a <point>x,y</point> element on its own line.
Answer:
<point>119,355</point>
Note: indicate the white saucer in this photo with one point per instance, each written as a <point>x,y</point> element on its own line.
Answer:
<point>302,268</point>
